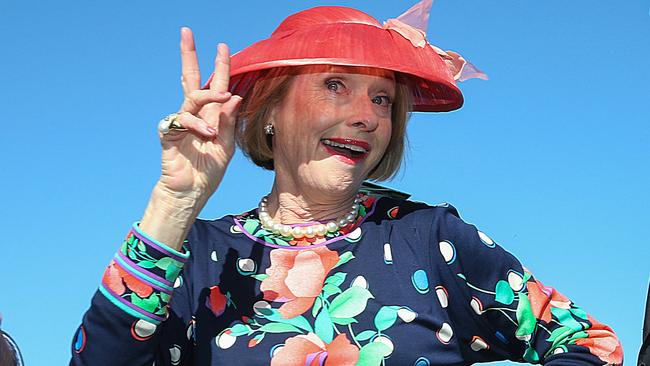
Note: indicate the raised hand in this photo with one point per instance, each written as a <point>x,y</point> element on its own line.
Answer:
<point>194,159</point>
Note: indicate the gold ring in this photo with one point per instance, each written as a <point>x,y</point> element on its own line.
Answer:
<point>170,123</point>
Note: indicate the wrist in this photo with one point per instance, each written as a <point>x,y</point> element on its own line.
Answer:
<point>169,216</point>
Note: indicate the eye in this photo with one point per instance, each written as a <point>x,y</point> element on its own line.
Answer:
<point>382,100</point>
<point>334,85</point>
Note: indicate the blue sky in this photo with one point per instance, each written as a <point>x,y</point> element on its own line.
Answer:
<point>550,157</point>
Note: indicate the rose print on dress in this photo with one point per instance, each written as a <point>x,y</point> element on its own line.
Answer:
<point>310,350</point>
<point>542,298</point>
<point>116,278</point>
<point>217,302</point>
<point>301,281</point>
<point>296,278</point>
<point>600,342</point>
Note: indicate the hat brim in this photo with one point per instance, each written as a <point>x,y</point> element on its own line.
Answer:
<point>432,87</point>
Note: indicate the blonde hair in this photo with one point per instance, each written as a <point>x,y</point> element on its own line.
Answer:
<point>270,89</point>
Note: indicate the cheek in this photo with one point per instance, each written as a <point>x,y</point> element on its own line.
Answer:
<point>308,126</point>
<point>299,130</point>
<point>384,133</point>
<point>304,112</point>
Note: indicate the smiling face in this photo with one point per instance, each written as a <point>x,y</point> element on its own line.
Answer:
<point>332,127</point>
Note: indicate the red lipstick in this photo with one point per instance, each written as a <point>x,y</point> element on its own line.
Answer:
<point>348,151</point>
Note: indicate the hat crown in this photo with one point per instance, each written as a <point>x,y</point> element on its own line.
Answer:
<point>322,15</point>
<point>336,35</point>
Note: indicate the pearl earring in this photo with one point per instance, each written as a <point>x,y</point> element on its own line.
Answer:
<point>269,129</point>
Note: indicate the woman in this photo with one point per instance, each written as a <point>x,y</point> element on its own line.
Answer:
<point>324,271</point>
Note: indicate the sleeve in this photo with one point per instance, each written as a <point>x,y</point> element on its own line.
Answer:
<point>133,319</point>
<point>506,313</point>
<point>644,352</point>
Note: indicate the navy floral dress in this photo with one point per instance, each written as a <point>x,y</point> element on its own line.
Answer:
<point>406,284</point>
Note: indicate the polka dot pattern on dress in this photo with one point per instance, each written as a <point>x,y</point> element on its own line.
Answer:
<point>190,330</point>
<point>501,337</point>
<point>359,281</point>
<point>476,305</point>
<point>385,340</point>
<point>443,296</point>
<point>80,340</point>
<point>142,329</point>
<point>448,251</point>
<point>478,344</point>
<point>175,354</point>
<point>445,333</point>
<point>486,239</point>
<point>420,281</point>
<point>515,280</point>
<point>246,266</point>
<point>388,254</point>
<point>354,236</point>
<point>407,315</point>
<point>259,307</point>
<point>225,340</point>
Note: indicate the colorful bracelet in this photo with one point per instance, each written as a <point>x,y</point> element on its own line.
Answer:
<point>140,277</point>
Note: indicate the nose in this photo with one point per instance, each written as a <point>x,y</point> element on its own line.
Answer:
<point>364,116</point>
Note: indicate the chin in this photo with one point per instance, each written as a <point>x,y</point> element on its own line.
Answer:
<point>333,177</point>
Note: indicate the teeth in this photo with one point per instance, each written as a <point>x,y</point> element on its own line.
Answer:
<point>355,148</point>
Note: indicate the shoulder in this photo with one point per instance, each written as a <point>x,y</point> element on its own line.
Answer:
<point>416,214</point>
<point>454,245</point>
<point>440,225</point>
<point>442,219</point>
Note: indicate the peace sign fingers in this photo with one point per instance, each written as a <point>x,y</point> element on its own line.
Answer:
<point>221,78</point>
<point>191,75</point>
<point>215,105</point>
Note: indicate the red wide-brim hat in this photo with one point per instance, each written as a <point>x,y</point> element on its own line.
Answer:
<point>334,35</point>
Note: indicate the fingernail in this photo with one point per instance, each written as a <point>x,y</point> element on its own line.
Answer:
<point>223,94</point>
<point>211,130</point>
<point>222,49</point>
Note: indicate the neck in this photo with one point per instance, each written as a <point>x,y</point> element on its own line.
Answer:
<point>292,206</point>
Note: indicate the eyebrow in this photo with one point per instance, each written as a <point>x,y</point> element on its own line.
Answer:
<point>344,69</point>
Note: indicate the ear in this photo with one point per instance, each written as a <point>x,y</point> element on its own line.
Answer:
<point>270,121</point>
<point>273,113</point>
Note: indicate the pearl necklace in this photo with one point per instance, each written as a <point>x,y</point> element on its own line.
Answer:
<point>306,231</point>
